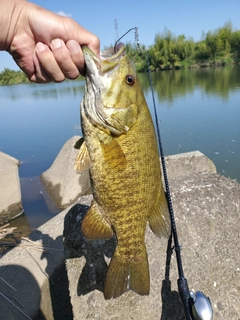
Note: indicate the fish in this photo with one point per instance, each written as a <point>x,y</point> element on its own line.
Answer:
<point>119,147</point>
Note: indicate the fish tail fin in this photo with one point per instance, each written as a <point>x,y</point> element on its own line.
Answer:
<point>127,273</point>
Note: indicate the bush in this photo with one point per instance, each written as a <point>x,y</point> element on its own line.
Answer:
<point>8,77</point>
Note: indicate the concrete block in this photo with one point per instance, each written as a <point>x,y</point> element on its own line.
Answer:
<point>62,183</point>
<point>10,193</point>
<point>184,164</point>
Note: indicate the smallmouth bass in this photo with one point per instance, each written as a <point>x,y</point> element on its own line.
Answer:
<point>120,148</point>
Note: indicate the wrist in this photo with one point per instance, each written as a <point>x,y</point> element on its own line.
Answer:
<point>9,14</point>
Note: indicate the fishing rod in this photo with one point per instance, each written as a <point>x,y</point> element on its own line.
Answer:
<point>197,306</point>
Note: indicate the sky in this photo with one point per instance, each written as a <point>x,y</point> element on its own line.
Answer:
<point>188,17</point>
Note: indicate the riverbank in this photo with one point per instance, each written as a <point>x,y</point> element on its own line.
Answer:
<point>206,207</point>
<point>11,77</point>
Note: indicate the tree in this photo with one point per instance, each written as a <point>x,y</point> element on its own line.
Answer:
<point>8,76</point>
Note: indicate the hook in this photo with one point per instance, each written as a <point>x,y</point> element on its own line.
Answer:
<point>136,37</point>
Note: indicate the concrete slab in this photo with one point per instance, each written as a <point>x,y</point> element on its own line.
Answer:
<point>61,181</point>
<point>10,193</point>
<point>207,214</point>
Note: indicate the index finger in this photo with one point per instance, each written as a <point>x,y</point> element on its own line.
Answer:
<point>94,44</point>
<point>81,35</point>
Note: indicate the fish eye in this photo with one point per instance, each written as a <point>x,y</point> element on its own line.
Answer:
<point>130,79</point>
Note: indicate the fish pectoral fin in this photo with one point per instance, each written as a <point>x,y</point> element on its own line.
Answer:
<point>82,161</point>
<point>159,220</point>
<point>113,153</point>
<point>127,274</point>
<point>94,226</point>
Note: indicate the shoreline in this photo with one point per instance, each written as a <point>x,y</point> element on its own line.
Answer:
<point>178,67</point>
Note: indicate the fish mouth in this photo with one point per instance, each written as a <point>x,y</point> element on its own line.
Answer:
<point>111,56</point>
<point>98,75</point>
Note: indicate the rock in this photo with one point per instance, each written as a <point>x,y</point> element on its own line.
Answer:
<point>62,183</point>
<point>10,193</point>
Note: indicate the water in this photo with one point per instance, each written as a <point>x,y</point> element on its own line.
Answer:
<point>198,110</point>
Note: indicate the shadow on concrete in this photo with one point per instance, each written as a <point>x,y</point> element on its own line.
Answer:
<point>172,308</point>
<point>20,294</point>
<point>76,246</point>
<point>13,304</point>
<point>57,278</point>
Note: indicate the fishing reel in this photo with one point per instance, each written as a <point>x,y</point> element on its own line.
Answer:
<point>197,306</point>
<point>201,306</point>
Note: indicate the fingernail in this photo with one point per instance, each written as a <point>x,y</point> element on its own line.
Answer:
<point>73,46</point>
<point>56,43</point>
<point>40,46</point>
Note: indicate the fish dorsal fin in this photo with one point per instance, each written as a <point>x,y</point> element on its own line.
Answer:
<point>82,161</point>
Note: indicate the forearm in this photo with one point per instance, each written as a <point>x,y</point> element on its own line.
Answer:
<point>9,13</point>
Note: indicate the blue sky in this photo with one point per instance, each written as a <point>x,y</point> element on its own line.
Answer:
<point>188,17</point>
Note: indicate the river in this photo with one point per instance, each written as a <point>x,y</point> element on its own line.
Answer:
<point>198,109</point>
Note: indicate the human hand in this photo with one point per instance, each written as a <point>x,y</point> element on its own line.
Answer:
<point>46,46</point>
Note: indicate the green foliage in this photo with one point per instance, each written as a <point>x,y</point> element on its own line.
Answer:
<point>8,77</point>
<point>235,45</point>
<point>218,47</point>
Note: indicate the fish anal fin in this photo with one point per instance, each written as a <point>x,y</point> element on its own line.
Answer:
<point>127,274</point>
<point>94,226</point>
<point>82,162</point>
<point>159,220</point>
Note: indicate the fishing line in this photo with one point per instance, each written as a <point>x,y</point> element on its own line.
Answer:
<point>196,306</point>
